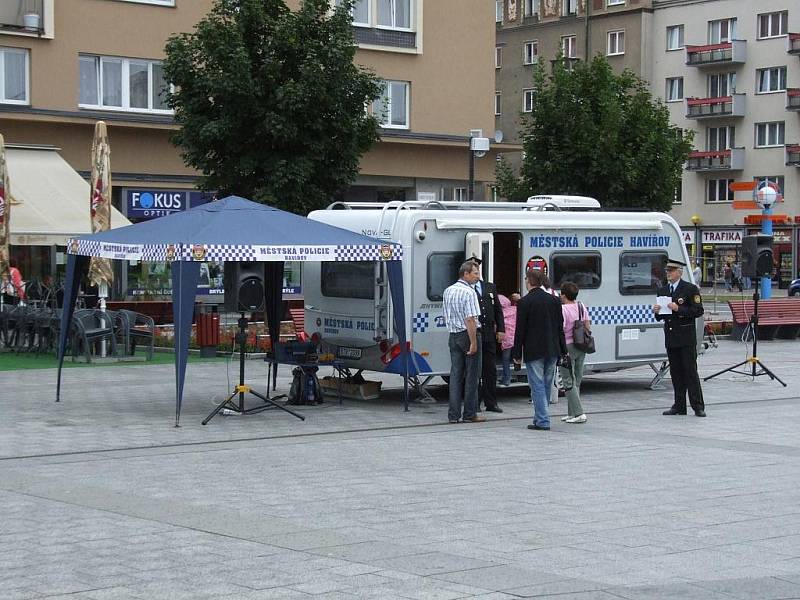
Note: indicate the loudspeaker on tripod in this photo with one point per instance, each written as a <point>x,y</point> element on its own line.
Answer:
<point>757,260</point>
<point>244,286</point>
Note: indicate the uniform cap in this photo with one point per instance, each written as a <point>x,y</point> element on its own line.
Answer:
<point>673,263</point>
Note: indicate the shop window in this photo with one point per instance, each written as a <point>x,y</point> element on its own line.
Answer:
<point>641,273</point>
<point>581,269</point>
<point>348,279</point>
<point>442,272</point>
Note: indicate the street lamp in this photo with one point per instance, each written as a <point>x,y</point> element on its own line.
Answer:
<point>478,147</point>
<point>696,221</point>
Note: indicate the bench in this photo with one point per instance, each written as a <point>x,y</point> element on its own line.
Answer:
<point>298,316</point>
<point>778,317</point>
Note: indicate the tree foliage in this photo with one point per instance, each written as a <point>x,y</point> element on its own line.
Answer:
<point>269,101</point>
<point>597,133</point>
<point>509,186</point>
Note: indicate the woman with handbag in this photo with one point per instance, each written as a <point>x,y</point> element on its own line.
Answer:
<point>577,332</point>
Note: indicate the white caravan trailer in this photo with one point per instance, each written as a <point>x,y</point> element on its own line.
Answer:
<point>616,259</point>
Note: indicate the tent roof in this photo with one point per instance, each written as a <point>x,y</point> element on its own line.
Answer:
<point>234,229</point>
<point>52,200</point>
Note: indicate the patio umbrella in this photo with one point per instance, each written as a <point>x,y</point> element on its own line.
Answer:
<point>100,273</point>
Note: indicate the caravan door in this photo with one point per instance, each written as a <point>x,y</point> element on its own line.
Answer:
<point>481,245</point>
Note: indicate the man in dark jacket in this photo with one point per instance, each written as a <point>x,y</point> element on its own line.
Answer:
<point>680,336</point>
<point>493,329</point>
<point>539,341</point>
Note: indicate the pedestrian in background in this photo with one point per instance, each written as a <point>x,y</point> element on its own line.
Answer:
<point>539,341</point>
<point>461,314</point>
<point>13,286</point>
<point>507,344</point>
<point>697,274</point>
<point>572,375</point>
<point>727,276</point>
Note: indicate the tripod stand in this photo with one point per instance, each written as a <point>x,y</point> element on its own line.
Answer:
<point>242,389</point>
<point>757,368</point>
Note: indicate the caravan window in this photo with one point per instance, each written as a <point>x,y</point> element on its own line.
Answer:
<point>641,272</point>
<point>581,269</point>
<point>348,279</point>
<point>442,272</point>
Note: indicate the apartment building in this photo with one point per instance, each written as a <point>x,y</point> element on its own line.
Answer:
<point>66,64</point>
<point>729,70</point>
<point>530,31</point>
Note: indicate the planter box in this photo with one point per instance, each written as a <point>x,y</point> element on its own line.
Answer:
<point>369,390</point>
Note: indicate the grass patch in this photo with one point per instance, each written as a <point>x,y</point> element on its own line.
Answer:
<point>11,361</point>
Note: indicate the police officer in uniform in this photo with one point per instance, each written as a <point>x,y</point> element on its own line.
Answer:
<point>493,327</point>
<point>681,339</point>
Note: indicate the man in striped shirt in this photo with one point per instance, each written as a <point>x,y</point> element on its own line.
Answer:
<point>461,312</point>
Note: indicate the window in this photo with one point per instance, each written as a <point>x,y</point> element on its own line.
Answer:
<point>569,46</point>
<point>459,194</point>
<point>615,2</point>
<point>159,2</point>
<point>530,53</point>
<point>498,57</point>
<point>771,80</point>
<point>442,272</point>
<point>498,103</point>
<point>721,85</point>
<point>616,43</point>
<point>569,7</point>
<point>581,269</point>
<point>122,84</point>
<point>720,138</point>
<point>721,31</point>
<point>394,14</point>
<point>774,179</point>
<point>675,37</point>
<point>361,12</point>
<point>719,191</point>
<point>674,89</point>
<point>348,279</point>
<point>530,8</point>
<point>773,24</point>
<point>391,107</point>
<point>770,134</point>
<point>498,11</point>
<point>527,100</point>
<point>641,272</point>
<point>14,73</point>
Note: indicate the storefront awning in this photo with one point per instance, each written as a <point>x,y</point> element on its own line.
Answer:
<point>50,200</point>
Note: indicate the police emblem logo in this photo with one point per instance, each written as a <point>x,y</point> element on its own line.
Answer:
<point>73,247</point>
<point>680,300</point>
<point>198,252</point>
<point>697,299</point>
<point>170,253</point>
<point>386,251</point>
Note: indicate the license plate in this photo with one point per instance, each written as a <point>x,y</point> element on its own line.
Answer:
<point>353,353</point>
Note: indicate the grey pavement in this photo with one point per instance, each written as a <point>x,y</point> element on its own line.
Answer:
<point>104,498</point>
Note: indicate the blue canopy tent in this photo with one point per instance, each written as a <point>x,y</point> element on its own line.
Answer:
<point>229,229</point>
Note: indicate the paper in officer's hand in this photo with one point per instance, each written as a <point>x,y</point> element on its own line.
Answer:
<point>663,303</point>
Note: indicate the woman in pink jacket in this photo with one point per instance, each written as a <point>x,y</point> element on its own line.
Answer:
<point>510,319</point>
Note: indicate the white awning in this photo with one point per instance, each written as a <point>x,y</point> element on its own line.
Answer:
<point>50,199</point>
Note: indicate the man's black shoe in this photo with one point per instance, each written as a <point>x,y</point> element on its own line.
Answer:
<point>700,413</point>
<point>672,411</point>
<point>496,409</point>
<point>538,427</point>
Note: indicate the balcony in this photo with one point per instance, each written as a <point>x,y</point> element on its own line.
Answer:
<point>793,43</point>
<point>715,108</point>
<point>716,160</point>
<point>793,155</point>
<point>22,16</point>
<point>726,53</point>
<point>793,99</point>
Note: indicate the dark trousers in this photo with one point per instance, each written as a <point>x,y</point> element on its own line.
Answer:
<point>488,387</point>
<point>683,368</point>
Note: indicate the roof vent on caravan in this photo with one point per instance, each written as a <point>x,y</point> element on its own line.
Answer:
<point>563,203</point>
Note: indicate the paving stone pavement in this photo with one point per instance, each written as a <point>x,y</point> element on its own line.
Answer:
<point>103,498</point>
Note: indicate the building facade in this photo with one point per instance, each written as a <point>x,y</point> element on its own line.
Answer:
<point>530,31</point>
<point>729,70</point>
<point>69,63</point>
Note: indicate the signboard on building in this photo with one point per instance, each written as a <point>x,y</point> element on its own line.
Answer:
<point>722,236</point>
<point>688,237</point>
<point>148,203</point>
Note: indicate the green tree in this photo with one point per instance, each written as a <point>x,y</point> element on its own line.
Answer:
<point>509,185</point>
<point>270,103</point>
<point>597,133</point>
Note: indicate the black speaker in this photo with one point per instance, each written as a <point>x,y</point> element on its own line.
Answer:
<point>757,258</point>
<point>244,286</point>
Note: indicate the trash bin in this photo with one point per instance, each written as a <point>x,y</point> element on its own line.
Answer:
<point>208,333</point>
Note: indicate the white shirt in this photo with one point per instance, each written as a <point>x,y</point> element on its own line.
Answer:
<point>460,302</point>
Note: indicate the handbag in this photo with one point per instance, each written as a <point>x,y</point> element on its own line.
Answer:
<point>581,336</point>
